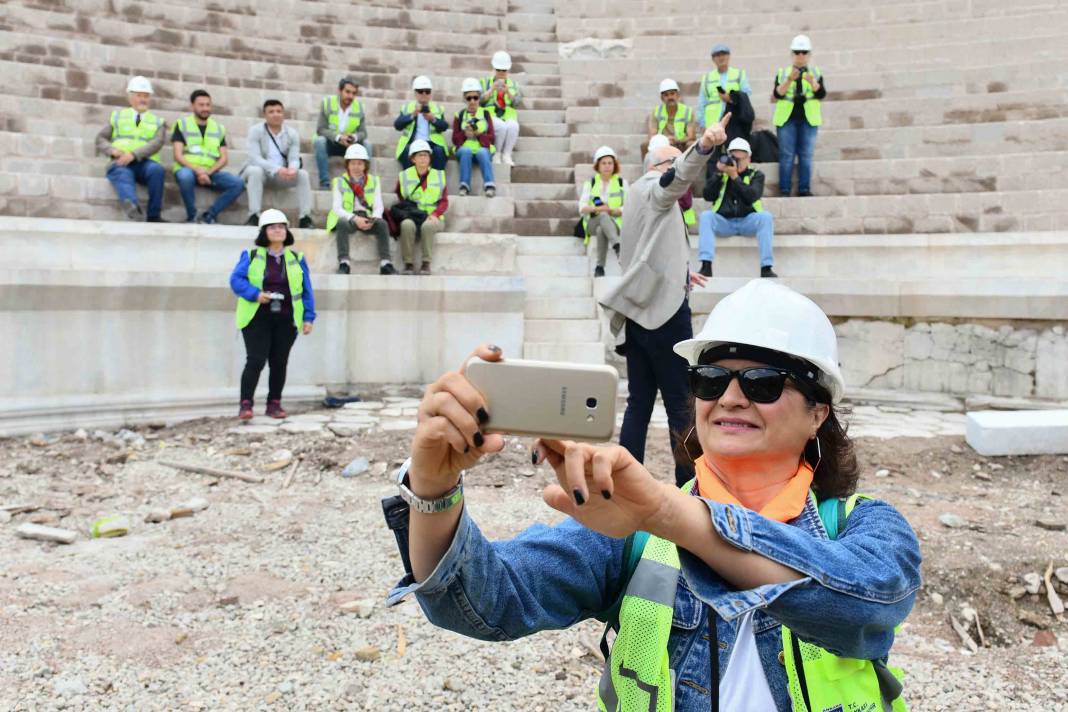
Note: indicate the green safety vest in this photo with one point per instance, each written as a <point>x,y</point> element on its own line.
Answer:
<point>683,117</point>
<point>435,136</point>
<point>294,275</point>
<point>481,127</point>
<point>127,135</point>
<point>713,104</point>
<point>332,109</point>
<point>689,216</point>
<point>510,114</point>
<point>201,150</point>
<point>747,179</point>
<point>348,196</point>
<point>427,198</point>
<point>616,194</point>
<point>785,106</point>
<point>637,676</point>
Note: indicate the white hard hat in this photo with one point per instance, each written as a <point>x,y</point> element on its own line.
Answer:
<point>356,151</point>
<point>658,141</point>
<point>501,60</point>
<point>801,43</point>
<point>273,217</point>
<point>668,85</point>
<point>139,84</point>
<point>740,144</point>
<point>602,152</point>
<point>422,82</point>
<point>769,315</point>
<point>417,146</point>
<point>470,84</point>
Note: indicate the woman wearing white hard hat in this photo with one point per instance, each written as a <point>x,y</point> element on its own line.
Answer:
<point>132,140</point>
<point>358,209</point>
<point>274,301</point>
<point>472,138</point>
<point>764,584</point>
<point>601,205</point>
<point>419,213</point>
<point>422,120</point>
<point>501,95</point>
<point>798,91</point>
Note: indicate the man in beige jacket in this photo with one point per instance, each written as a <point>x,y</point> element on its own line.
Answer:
<point>648,309</point>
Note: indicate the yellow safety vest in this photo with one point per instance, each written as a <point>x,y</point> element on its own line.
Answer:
<point>436,112</point>
<point>616,195</point>
<point>257,266</point>
<point>202,150</point>
<point>348,196</point>
<point>747,179</point>
<point>128,135</point>
<point>510,113</point>
<point>427,198</point>
<point>785,106</point>
<point>332,109</point>
<point>683,117</point>
<point>481,126</point>
<point>713,104</point>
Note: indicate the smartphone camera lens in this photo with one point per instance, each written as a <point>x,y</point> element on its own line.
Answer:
<point>591,402</point>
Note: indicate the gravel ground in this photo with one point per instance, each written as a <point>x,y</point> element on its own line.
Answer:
<point>272,597</point>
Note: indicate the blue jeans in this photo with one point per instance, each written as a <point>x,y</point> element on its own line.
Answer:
<point>324,149</point>
<point>230,185</point>
<point>147,173</point>
<point>713,225</point>
<point>796,138</point>
<point>652,365</point>
<point>484,164</point>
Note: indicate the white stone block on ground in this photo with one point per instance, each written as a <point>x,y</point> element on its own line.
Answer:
<point>363,405</point>
<point>254,429</point>
<point>1020,432</point>
<point>399,425</point>
<point>302,427</point>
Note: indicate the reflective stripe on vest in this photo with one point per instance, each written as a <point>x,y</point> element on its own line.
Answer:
<point>332,109</point>
<point>406,134</point>
<point>128,135</point>
<point>427,198</point>
<point>510,114</point>
<point>785,106</point>
<point>481,127</point>
<point>747,179</point>
<point>348,197</point>
<point>201,150</point>
<point>683,117</point>
<point>616,195</point>
<point>713,105</point>
<point>257,266</point>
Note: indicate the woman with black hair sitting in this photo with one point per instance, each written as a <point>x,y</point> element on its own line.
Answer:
<point>271,274</point>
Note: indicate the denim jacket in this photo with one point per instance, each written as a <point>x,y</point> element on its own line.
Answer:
<point>855,590</point>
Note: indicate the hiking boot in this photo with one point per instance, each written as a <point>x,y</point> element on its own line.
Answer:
<point>804,194</point>
<point>274,409</point>
<point>155,219</point>
<point>343,268</point>
<point>425,269</point>
<point>409,268</point>
<point>706,268</point>
<point>244,411</point>
<point>387,268</point>
<point>133,211</point>
<point>768,272</point>
<point>465,189</point>
<point>598,271</point>
<point>491,191</point>
<point>253,220</point>
<point>306,222</point>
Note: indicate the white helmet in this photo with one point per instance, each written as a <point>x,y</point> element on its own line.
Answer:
<point>356,151</point>
<point>139,84</point>
<point>470,84</point>
<point>740,144</point>
<point>422,82</point>
<point>801,43</point>
<point>273,217</point>
<point>658,141</point>
<point>668,85</point>
<point>602,152</point>
<point>419,145</point>
<point>768,314</point>
<point>501,60</point>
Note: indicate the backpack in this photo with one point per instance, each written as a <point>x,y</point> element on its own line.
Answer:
<point>765,147</point>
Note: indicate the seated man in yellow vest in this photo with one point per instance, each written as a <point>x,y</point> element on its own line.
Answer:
<point>358,208</point>
<point>716,87</point>
<point>501,95</point>
<point>422,120</point>
<point>472,137</point>
<point>424,186</point>
<point>601,205</point>
<point>132,140</point>
<point>671,118</point>
<point>734,191</point>
<point>200,152</point>
<point>797,94</point>
<point>341,124</point>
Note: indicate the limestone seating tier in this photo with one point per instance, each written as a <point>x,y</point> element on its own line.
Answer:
<point>631,8</point>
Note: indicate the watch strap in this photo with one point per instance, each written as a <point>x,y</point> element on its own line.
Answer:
<point>428,506</point>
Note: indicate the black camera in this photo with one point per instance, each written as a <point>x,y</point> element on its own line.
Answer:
<point>802,70</point>
<point>726,159</point>
<point>361,213</point>
<point>473,123</point>
<point>425,108</point>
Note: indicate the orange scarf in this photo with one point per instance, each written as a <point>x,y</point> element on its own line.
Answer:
<point>786,505</point>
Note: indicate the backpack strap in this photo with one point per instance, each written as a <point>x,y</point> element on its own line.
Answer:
<point>834,511</point>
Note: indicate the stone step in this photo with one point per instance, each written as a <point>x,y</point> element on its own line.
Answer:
<point>592,352</point>
<point>540,22</point>
<point>535,191</point>
<point>560,308</point>
<point>553,159</point>
<point>550,246</point>
<point>543,174</point>
<point>599,9</point>
<point>996,433</point>
<point>562,331</point>
<point>553,130</point>
<point>563,209</point>
<point>553,265</point>
<point>538,145</point>
<point>559,287</point>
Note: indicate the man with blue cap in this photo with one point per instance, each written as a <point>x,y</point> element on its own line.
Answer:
<point>717,85</point>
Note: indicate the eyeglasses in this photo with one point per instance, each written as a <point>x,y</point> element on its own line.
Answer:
<point>471,97</point>
<point>800,51</point>
<point>760,384</point>
<point>422,91</point>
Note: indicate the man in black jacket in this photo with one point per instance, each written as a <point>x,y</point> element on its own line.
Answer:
<point>734,191</point>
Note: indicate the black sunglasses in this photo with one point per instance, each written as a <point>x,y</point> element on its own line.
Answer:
<point>760,384</point>
<point>471,97</point>
<point>800,51</point>
<point>422,91</point>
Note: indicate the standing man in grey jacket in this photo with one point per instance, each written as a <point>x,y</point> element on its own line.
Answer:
<point>274,160</point>
<point>649,308</point>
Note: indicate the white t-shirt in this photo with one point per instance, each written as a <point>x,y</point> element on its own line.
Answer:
<point>744,687</point>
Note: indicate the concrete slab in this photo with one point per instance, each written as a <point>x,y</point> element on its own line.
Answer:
<point>1021,432</point>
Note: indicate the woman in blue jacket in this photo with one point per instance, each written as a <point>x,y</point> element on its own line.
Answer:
<point>274,300</point>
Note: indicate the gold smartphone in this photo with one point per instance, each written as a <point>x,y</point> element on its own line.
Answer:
<point>547,399</point>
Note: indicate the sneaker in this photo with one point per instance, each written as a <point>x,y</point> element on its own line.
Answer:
<point>491,191</point>
<point>155,219</point>
<point>133,211</point>
<point>206,218</point>
<point>496,159</point>
<point>244,411</point>
<point>253,220</point>
<point>706,268</point>
<point>768,272</point>
<point>425,269</point>
<point>598,271</point>
<point>508,159</point>
<point>274,409</point>
<point>306,221</point>
<point>190,220</point>
<point>465,189</point>
<point>324,186</point>
<point>343,268</point>
<point>804,194</point>
<point>615,248</point>
<point>409,268</point>
<point>387,268</point>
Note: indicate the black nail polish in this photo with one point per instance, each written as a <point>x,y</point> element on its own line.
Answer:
<point>467,448</point>
<point>606,494</point>
<point>482,415</point>
<point>479,440</point>
<point>494,349</point>
<point>533,457</point>
<point>579,499</point>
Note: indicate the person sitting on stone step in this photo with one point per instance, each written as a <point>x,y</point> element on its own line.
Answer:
<point>734,192</point>
<point>671,118</point>
<point>358,209</point>
<point>501,94</point>
<point>274,160</point>
<point>425,187</point>
<point>472,135</point>
<point>341,124</point>
<point>422,120</point>
<point>200,153</point>
<point>716,86</point>
<point>132,140</point>
<point>601,205</point>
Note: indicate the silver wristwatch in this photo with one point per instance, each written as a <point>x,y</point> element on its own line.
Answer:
<point>428,506</point>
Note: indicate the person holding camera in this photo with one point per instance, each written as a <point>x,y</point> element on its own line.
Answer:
<point>472,134</point>
<point>420,214</point>
<point>798,91</point>
<point>501,95</point>
<point>715,97</point>
<point>734,192</point>
<point>358,208</point>
<point>601,205</point>
<point>341,125</point>
<point>671,118</point>
<point>422,120</point>
<point>274,300</point>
